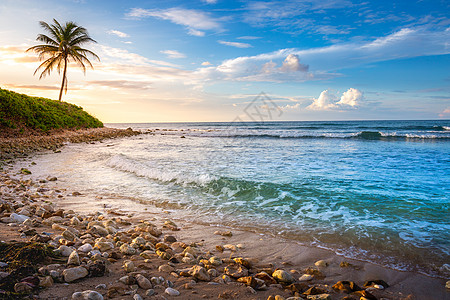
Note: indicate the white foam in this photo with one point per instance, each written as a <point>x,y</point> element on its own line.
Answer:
<point>122,163</point>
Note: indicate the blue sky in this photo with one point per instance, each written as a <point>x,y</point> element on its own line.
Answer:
<point>207,60</point>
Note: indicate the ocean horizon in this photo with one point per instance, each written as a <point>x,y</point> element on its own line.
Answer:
<point>377,191</point>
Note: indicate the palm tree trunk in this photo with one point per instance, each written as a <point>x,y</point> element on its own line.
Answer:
<point>64,79</point>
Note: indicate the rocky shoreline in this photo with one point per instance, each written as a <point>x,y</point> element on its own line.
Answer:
<point>49,251</point>
<point>23,145</point>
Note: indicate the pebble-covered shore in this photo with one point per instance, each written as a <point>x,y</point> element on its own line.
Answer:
<point>50,252</point>
<point>23,145</point>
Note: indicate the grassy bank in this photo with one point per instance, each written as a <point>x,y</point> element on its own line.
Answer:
<point>20,113</point>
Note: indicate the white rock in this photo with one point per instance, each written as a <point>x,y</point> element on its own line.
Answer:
<point>64,250</point>
<point>85,248</point>
<point>73,274</point>
<point>306,277</point>
<point>18,218</point>
<point>137,297</point>
<point>87,295</point>
<point>92,295</point>
<point>172,292</point>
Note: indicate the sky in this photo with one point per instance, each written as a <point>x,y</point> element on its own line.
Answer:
<point>210,60</point>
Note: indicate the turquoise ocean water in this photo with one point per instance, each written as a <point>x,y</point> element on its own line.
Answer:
<point>372,190</point>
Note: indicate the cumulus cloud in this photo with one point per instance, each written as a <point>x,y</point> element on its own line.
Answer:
<point>210,1</point>
<point>351,97</point>
<point>194,20</point>
<point>118,33</point>
<point>235,44</point>
<point>206,63</point>
<point>325,101</point>
<point>292,64</point>
<point>173,54</point>
<point>328,100</point>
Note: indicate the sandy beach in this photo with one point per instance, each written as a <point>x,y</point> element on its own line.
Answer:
<point>127,250</point>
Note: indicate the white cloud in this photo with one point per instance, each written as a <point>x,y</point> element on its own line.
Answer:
<point>248,37</point>
<point>325,101</point>
<point>206,63</point>
<point>118,33</point>
<point>210,1</point>
<point>328,101</point>
<point>173,54</point>
<point>292,64</point>
<point>235,44</point>
<point>325,61</point>
<point>351,97</point>
<point>129,57</point>
<point>194,20</point>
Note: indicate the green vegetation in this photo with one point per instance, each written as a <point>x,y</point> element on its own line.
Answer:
<point>22,112</point>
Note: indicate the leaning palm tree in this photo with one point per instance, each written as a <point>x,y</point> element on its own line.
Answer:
<point>62,46</point>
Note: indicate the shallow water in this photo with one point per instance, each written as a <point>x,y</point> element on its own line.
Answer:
<point>373,190</point>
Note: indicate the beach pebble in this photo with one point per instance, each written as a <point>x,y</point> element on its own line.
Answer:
<point>283,276</point>
<point>306,277</point>
<point>128,280</point>
<point>447,284</point>
<point>321,264</point>
<point>17,218</point>
<point>73,274</point>
<point>143,282</point>
<point>104,246</point>
<point>100,230</point>
<point>64,250</point>
<point>101,286</point>
<point>166,268</point>
<point>215,261</point>
<point>266,278</point>
<point>87,295</point>
<point>149,292</point>
<point>137,297</point>
<point>85,248</point>
<point>199,273</point>
<point>68,235</point>
<point>74,259</point>
<point>46,281</point>
<point>172,292</point>
<point>236,271</point>
<point>129,266</point>
<point>346,286</point>
<point>243,262</point>
<point>223,233</point>
<point>127,249</point>
<point>169,239</point>
<point>319,297</point>
<point>23,287</point>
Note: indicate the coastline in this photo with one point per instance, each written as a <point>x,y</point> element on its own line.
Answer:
<point>265,252</point>
<point>13,147</point>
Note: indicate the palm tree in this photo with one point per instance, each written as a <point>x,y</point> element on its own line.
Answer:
<point>61,46</point>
